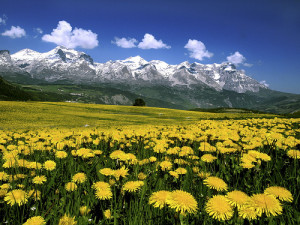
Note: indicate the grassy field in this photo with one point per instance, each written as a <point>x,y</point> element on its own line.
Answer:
<point>27,115</point>
<point>71,163</point>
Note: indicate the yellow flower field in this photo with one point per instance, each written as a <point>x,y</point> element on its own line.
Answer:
<point>145,166</point>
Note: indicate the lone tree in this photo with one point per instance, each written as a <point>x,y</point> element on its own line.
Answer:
<point>139,102</point>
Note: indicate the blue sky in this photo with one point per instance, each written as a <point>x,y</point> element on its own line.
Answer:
<point>261,37</point>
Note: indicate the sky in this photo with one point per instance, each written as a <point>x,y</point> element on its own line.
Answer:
<point>261,37</point>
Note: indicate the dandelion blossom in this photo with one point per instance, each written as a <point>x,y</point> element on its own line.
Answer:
<point>165,165</point>
<point>174,174</point>
<point>215,183</point>
<point>294,154</point>
<point>16,196</point>
<point>219,208</point>
<point>132,186</point>
<point>3,176</point>
<point>107,214</point>
<point>142,176</point>
<point>39,179</point>
<point>182,202</point>
<point>61,154</point>
<point>70,186</point>
<point>280,192</point>
<point>79,178</point>
<point>107,171</point>
<point>67,220</point>
<point>237,198</point>
<point>209,158</point>
<point>100,185</point>
<point>36,220</point>
<point>267,204</point>
<point>122,172</point>
<point>103,194</point>
<point>159,199</point>
<point>84,210</point>
<point>181,170</point>
<point>247,212</point>
<point>49,165</point>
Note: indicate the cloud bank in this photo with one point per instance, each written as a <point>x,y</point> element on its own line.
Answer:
<point>124,42</point>
<point>236,58</point>
<point>149,42</point>
<point>14,32</point>
<point>197,50</point>
<point>71,38</point>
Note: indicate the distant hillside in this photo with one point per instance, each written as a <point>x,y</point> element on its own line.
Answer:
<point>228,110</point>
<point>10,91</point>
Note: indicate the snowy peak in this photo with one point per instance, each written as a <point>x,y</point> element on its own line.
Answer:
<point>62,63</point>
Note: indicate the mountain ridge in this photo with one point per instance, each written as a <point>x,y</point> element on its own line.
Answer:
<point>62,63</point>
<point>185,85</point>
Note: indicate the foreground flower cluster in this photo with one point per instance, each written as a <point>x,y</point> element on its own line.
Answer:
<point>229,170</point>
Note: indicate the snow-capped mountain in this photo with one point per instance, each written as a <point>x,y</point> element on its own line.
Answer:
<point>62,64</point>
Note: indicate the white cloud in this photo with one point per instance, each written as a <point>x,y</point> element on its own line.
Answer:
<point>3,20</point>
<point>65,36</point>
<point>263,82</point>
<point>236,58</point>
<point>38,30</point>
<point>125,43</point>
<point>14,32</point>
<point>149,42</point>
<point>197,50</point>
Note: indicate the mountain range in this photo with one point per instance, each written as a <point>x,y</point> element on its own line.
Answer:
<point>186,85</point>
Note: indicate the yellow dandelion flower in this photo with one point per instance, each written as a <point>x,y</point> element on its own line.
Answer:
<point>219,208</point>
<point>16,196</point>
<point>181,171</point>
<point>35,194</point>
<point>203,174</point>
<point>119,154</point>
<point>39,179</point>
<point>263,156</point>
<point>209,158</point>
<point>3,176</point>
<point>196,169</point>
<point>36,220</point>
<point>101,185</point>
<point>49,165</point>
<point>79,178</point>
<point>103,194</point>
<point>237,198</point>
<point>182,202</point>
<point>152,159</point>
<point>247,212</point>
<point>61,154</point>
<point>111,182</point>
<point>267,204</point>
<point>67,220</point>
<point>84,210</point>
<point>85,153</point>
<point>132,186</point>
<point>98,152</point>
<point>122,172</point>
<point>280,192</point>
<point>142,176</point>
<point>165,165</point>
<point>294,154</point>
<point>107,171</point>
<point>107,214</point>
<point>159,199</point>
<point>71,186</point>
<point>174,174</point>
<point>5,186</point>
<point>3,192</point>
<point>215,183</point>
